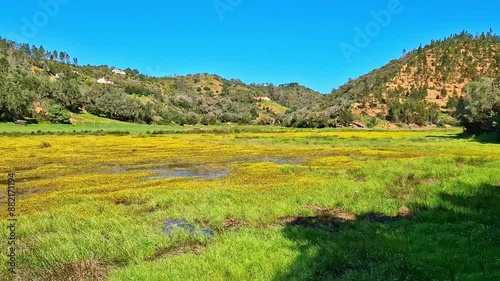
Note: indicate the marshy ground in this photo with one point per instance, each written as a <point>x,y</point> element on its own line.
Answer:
<point>293,205</point>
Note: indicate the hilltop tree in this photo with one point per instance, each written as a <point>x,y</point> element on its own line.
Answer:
<point>54,55</point>
<point>42,52</point>
<point>62,56</point>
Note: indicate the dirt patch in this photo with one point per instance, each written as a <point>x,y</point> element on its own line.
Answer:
<point>331,213</point>
<point>361,179</point>
<point>312,222</point>
<point>325,218</point>
<point>430,181</point>
<point>123,202</point>
<point>176,251</point>
<point>405,212</point>
<point>232,224</point>
<point>76,271</point>
<point>331,219</point>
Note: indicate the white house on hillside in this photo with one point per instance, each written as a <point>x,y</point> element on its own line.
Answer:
<point>119,71</point>
<point>262,99</point>
<point>104,81</point>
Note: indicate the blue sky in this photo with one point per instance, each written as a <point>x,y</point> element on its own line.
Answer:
<point>315,43</point>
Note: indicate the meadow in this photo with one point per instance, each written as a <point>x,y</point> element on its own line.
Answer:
<point>254,205</point>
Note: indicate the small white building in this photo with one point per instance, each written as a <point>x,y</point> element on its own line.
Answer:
<point>105,81</point>
<point>262,99</point>
<point>119,71</point>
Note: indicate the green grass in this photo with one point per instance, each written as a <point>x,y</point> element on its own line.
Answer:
<point>84,122</point>
<point>274,106</point>
<point>296,205</point>
<point>89,119</point>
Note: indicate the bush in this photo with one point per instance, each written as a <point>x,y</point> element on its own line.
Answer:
<point>59,115</point>
<point>479,111</point>
<point>372,123</point>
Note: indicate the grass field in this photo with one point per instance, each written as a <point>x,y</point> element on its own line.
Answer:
<point>83,122</point>
<point>89,124</point>
<point>291,205</point>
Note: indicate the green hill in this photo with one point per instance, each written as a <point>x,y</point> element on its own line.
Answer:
<point>44,85</point>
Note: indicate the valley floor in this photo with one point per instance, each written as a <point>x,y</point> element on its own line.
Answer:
<point>288,205</point>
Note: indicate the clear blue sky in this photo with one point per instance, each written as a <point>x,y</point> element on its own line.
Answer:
<point>254,40</point>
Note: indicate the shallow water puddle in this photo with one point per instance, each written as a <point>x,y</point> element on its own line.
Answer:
<point>179,224</point>
<point>201,171</point>
<point>170,173</point>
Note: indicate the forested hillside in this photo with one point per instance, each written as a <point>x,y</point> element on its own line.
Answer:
<point>44,85</point>
<point>423,87</point>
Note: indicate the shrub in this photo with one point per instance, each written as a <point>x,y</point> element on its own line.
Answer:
<point>59,115</point>
<point>479,111</point>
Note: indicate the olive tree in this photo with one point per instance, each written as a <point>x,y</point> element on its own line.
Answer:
<point>479,110</point>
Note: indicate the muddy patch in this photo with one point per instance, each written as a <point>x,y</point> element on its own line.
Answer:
<point>329,224</point>
<point>326,218</point>
<point>196,249</point>
<point>331,213</point>
<point>331,219</point>
<point>231,224</point>
<point>123,202</point>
